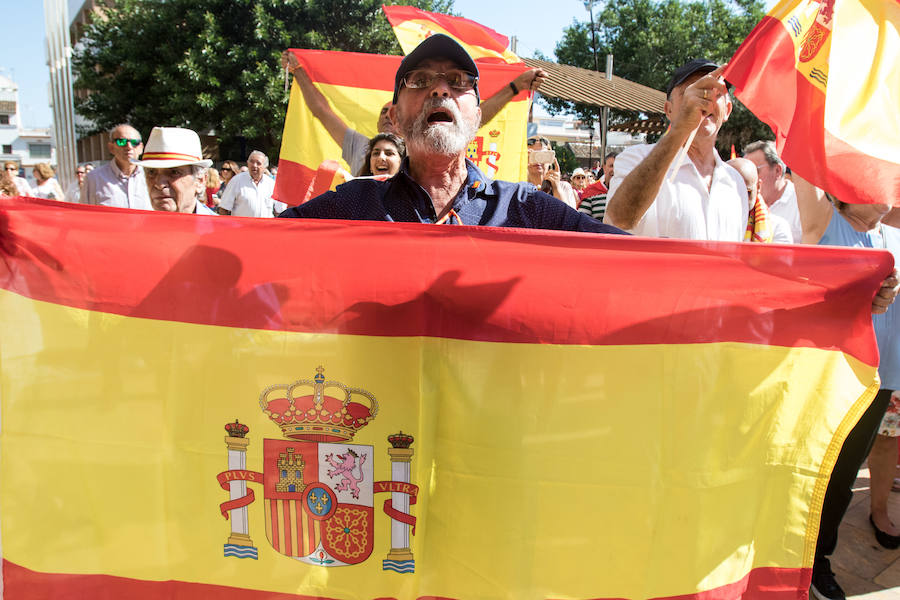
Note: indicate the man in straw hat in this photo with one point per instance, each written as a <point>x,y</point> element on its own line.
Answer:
<point>175,169</point>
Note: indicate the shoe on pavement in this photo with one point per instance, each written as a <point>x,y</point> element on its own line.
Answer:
<point>824,586</point>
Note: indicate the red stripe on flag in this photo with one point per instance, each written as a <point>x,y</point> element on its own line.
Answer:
<point>440,283</point>
<point>288,530</point>
<point>769,582</point>
<point>300,537</point>
<point>273,511</point>
<point>288,549</point>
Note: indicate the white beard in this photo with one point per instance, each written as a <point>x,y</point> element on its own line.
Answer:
<point>442,138</point>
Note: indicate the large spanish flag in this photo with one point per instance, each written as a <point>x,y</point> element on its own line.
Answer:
<point>416,411</point>
<point>412,25</point>
<point>357,86</point>
<point>826,77</point>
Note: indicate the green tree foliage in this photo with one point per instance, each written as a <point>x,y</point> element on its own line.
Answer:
<point>649,39</point>
<point>565,156</point>
<point>214,65</point>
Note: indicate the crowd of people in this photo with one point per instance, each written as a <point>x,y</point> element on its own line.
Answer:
<point>415,169</point>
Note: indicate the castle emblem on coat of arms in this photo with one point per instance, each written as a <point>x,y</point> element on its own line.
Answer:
<point>318,485</point>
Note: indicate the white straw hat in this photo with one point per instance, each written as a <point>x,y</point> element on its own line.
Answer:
<point>172,147</point>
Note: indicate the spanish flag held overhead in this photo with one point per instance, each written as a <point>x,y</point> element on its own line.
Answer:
<point>357,85</point>
<point>825,75</point>
<point>412,25</point>
<point>416,411</point>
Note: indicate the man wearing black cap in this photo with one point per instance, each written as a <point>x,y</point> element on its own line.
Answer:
<point>702,197</point>
<point>436,110</point>
<point>354,145</point>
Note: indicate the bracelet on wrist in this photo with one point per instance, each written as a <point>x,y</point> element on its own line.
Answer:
<point>512,86</point>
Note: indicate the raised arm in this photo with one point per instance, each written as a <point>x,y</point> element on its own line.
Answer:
<point>314,99</point>
<point>638,190</point>
<point>815,210</point>
<point>529,80</point>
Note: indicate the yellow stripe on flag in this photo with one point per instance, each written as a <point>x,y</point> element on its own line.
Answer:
<point>863,103</point>
<point>116,425</point>
<point>308,142</point>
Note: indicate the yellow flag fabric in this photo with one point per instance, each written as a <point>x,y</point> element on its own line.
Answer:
<point>357,86</point>
<point>413,411</point>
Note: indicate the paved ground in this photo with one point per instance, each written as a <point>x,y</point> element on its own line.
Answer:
<point>864,569</point>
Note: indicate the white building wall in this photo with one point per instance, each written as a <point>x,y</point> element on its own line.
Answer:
<point>20,141</point>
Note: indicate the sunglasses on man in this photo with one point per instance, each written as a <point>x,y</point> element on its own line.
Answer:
<point>455,78</point>
<point>121,142</point>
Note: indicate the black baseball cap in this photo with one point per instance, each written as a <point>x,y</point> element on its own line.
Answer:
<point>436,46</point>
<point>696,65</point>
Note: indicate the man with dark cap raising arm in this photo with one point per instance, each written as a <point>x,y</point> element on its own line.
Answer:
<point>701,198</point>
<point>436,109</point>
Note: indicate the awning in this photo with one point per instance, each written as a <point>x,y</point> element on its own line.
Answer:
<point>590,87</point>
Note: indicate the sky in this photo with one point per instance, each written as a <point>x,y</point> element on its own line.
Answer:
<point>537,25</point>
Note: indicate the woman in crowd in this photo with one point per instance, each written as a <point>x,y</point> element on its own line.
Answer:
<point>829,221</point>
<point>47,186</point>
<point>229,169</point>
<point>386,152</point>
<point>546,177</point>
<point>213,183</point>
<point>8,185</point>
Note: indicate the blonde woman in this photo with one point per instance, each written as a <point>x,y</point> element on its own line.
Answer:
<point>47,186</point>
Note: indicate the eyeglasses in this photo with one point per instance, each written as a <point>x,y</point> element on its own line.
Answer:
<point>579,177</point>
<point>535,140</point>
<point>121,142</point>
<point>226,170</point>
<point>456,78</point>
<point>12,169</point>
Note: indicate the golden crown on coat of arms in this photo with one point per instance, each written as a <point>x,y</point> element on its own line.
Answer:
<point>305,412</point>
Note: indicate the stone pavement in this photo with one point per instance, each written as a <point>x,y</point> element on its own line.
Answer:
<point>864,569</point>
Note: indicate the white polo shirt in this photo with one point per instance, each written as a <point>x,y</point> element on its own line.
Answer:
<point>244,198</point>
<point>684,208</point>
<point>786,208</point>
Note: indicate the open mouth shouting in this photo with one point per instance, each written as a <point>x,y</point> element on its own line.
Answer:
<point>439,115</point>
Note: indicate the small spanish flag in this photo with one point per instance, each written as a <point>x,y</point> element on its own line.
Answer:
<point>412,25</point>
<point>823,74</point>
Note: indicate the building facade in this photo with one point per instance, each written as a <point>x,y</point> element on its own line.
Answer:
<point>27,147</point>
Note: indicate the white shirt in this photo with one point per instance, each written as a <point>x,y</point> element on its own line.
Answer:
<point>781,231</point>
<point>50,190</point>
<point>786,208</point>
<point>568,193</point>
<point>22,186</point>
<point>73,193</point>
<point>244,198</point>
<point>685,208</point>
<point>109,186</point>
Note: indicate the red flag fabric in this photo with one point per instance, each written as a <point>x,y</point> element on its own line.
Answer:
<point>824,76</point>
